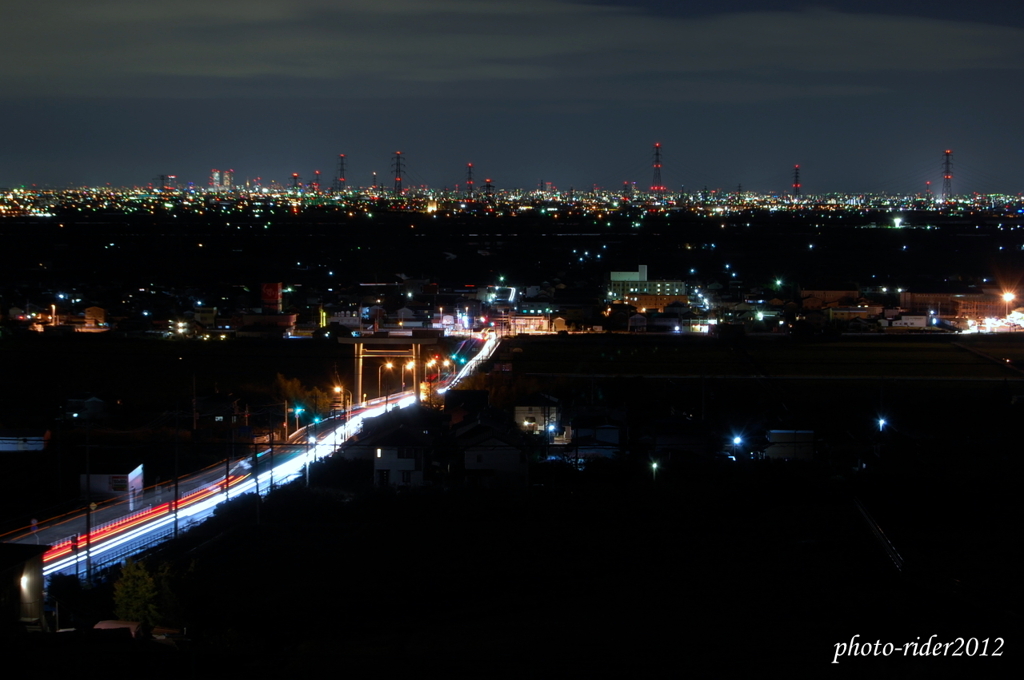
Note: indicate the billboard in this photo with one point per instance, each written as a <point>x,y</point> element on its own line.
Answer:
<point>270,293</point>
<point>107,486</point>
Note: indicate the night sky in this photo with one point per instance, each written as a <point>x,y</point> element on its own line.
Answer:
<point>864,94</point>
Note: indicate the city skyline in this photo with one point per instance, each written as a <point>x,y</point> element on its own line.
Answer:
<point>790,180</point>
<point>863,97</point>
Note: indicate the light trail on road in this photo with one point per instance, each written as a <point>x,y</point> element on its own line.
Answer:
<point>112,540</point>
<point>156,522</point>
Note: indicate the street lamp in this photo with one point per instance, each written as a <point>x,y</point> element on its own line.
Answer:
<point>881,424</point>
<point>735,442</point>
<point>345,407</point>
<point>654,470</point>
<point>1007,299</point>
<point>297,410</point>
<point>426,378</point>
<point>409,366</point>
<point>388,366</point>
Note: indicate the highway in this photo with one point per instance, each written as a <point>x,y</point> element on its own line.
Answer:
<point>81,542</point>
<point>117,532</point>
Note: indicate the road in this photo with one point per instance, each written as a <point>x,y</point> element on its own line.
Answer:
<point>117,531</point>
<point>82,541</point>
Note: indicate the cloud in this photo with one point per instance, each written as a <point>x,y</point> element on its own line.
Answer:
<point>210,48</point>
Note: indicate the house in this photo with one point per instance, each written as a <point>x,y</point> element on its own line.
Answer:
<point>819,296</point>
<point>490,457</point>
<point>267,326</point>
<point>95,317</point>
<point>637,323</point>
<point>87,407</point>
<point>400,457</point>
<point>537,414</point>
<point>650,302</point>
<point>401,444</point>
<point>591,440</point>
<point>216,415</point>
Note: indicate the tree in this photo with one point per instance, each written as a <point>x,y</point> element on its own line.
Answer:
<point>313,400</point>
<point>135,594</point>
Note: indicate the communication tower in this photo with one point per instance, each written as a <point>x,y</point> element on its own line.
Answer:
<point>339,181</point>
<point>657,188</point>
<point>469,181</point>
<point>165,182</point>
<point>796,180</point>
<point>947,177</point>
<point>396,165</point>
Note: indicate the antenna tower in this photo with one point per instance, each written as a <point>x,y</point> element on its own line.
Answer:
<point>656,186</point>
<point>947,177</point>
<point>165,182</point>
<point>339,181</point>
<point>396,165</point>
<point>295,182</point>
<point>469,180</point>
<point>796,180</point>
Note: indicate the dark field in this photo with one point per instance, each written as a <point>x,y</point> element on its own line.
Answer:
<point>944,388</point>
<point>879,356</point>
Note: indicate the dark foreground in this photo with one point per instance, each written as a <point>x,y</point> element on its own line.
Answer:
<point>710,569</point>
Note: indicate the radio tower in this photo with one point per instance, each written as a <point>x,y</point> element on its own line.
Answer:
<point>165,182</point>
<point>469,180</point>
<point>657,188</point>
<point>295,182</point>
<point>339,181</point>
<point>796,180</point>
<point>947,177</point>
<point>396,165</point>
